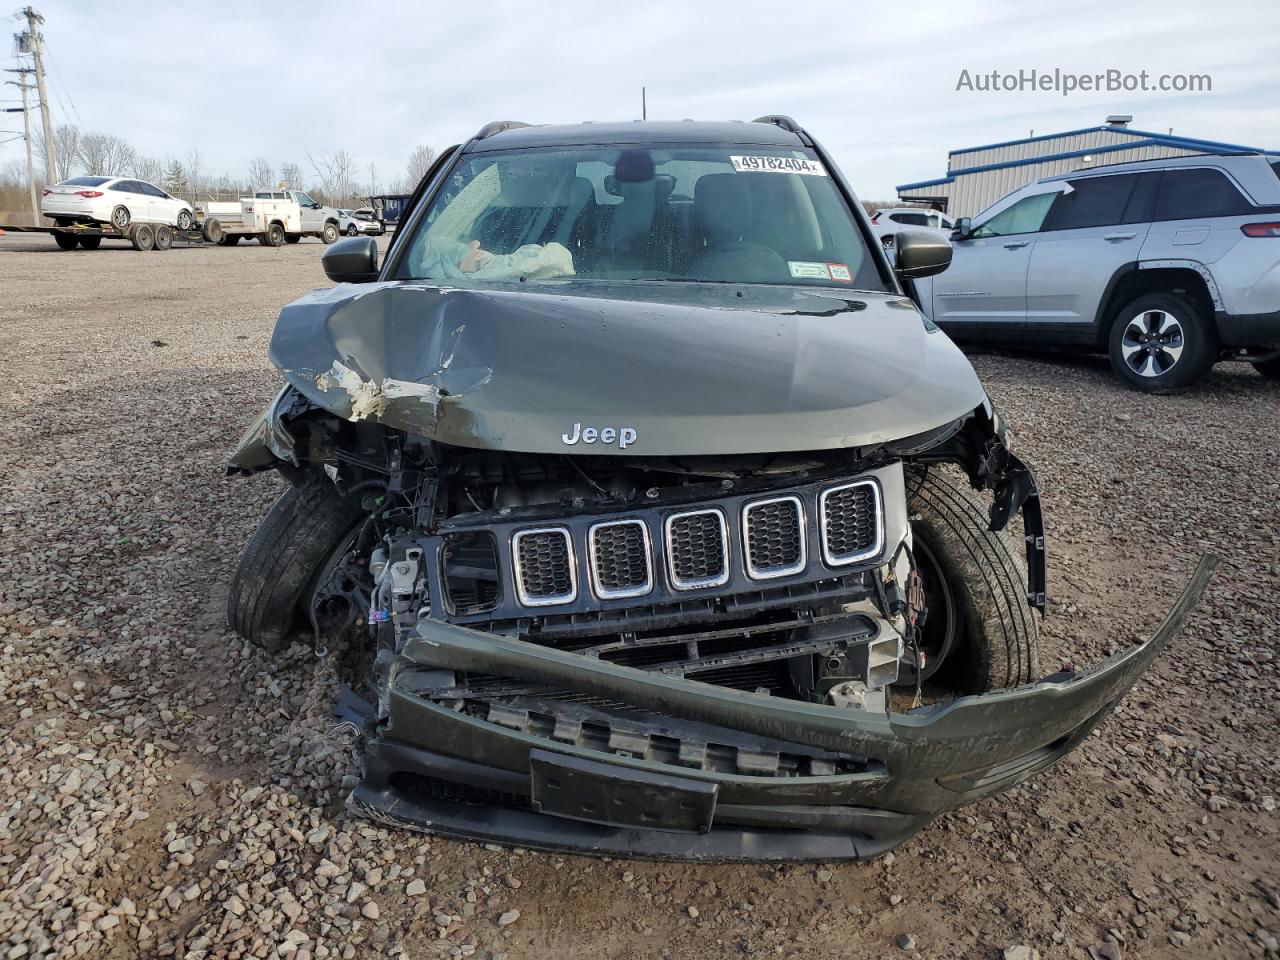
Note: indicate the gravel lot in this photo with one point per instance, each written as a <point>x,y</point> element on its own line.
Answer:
<point>169,792</point>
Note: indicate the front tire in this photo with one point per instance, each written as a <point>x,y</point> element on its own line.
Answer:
<point>1162,343</point>
<point>184,220</point>
<point>330,233</point>
<point>352,231</point>
<point>271,592</point>
<point>994,641</point>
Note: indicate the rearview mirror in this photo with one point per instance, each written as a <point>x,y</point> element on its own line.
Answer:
<point>917,254</point>
<point>964,227</point>
<point>352,260</point>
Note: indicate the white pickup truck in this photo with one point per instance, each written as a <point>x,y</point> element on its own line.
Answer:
<point>275,217</point>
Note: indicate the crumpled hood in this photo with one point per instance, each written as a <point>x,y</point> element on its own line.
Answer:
<point>632,368</point>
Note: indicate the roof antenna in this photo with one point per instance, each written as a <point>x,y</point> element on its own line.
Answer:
<point>644,106</point>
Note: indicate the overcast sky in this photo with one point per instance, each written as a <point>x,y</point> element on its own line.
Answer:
<point>875,82</point>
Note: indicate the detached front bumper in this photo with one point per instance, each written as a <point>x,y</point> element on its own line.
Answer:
<point>432,768</point>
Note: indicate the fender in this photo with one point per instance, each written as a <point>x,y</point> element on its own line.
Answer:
<point>1195,265</point>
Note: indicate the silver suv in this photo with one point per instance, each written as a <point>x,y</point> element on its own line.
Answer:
<point>1168,265</point>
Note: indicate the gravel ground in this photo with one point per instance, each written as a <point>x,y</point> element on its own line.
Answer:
<point>170,792</point>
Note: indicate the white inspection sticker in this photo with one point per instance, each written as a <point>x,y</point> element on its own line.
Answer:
<point>809,270</point>
<point>803,165</point>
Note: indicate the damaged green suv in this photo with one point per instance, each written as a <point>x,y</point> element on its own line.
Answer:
<point>644,505</point>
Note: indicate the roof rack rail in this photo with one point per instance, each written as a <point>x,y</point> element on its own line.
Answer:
<point>1182,156</point>
<point>786,123</point>
<point>779,120</point>
<point>489,129</point>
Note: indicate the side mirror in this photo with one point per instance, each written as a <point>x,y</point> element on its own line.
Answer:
<point>920,254</point>
<point>351,260</point>
<point>963,228</point>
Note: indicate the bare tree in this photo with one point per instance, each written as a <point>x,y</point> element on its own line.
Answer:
<point>195,172</point>
<point>261,173</point>
<point>104,154</point>
<point>373,178</point>
<point>291,174</point>
<point>66,147</point>
<point>146,168</point>
<point>419,163</point>
<point>337,174</point>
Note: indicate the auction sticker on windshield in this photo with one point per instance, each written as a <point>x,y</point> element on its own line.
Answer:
<point>810,168</point>
<point>808,270</point>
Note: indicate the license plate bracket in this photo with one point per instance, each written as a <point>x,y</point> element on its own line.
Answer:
<point>578,789</point>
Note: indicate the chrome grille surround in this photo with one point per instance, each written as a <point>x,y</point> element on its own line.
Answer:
<point>750,530</point>
<point>681,524</point>
<point>828,523</point>
<point>598,558</point>
<point>530,569</point>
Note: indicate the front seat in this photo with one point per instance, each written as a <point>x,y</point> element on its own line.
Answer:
<point>722,215</point>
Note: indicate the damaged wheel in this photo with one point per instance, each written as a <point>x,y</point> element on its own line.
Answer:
<point>271,593</point>
<point>980,634</point>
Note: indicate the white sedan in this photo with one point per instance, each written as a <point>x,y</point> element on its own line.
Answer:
<point>117,201</point>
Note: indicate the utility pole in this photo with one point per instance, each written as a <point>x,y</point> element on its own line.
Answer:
<point>644,105</point>
<point>29,42</point>
<point>21,84</point>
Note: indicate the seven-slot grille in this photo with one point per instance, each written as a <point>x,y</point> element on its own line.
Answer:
<point>850,517</point>
<point>697,549</point>
<point>774,533</point>
<point>545,567</point>
<point>620,559</point>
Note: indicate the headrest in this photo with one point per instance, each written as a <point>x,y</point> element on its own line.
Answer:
<point>722,205</point>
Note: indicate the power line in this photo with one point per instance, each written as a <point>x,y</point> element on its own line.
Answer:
<point>57,75</point>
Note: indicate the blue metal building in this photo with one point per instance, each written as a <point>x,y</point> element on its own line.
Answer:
<point>979,176</point>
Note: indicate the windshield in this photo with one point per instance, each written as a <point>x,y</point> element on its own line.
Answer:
<point>728,214</point>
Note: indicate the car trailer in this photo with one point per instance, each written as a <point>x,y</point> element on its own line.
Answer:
<point>143,236</point>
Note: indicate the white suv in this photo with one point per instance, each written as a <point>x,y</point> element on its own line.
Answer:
<point>888,222</point>
<point>1168,265</point>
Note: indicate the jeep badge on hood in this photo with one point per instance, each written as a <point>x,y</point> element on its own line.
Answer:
<point>622,436</point>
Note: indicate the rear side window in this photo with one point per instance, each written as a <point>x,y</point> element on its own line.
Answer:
<point>1142,200</point>
<point>126,186</point>
<point>911,219</point>
<point>1187,194</point>
<point>1092,202</point>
